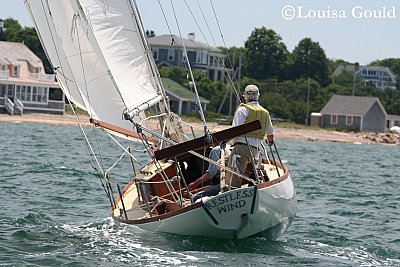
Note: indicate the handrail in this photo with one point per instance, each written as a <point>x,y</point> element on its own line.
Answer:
<point>19,106</point>
<point>9,105</point>
<point>42,77</point>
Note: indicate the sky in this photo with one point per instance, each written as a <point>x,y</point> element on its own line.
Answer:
<point>356,31</point>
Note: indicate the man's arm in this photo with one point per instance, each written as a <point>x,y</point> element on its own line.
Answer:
<point>199,181</point>
<point>240,116</point>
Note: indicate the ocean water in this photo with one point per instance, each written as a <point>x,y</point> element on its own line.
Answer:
<point>53,210</point>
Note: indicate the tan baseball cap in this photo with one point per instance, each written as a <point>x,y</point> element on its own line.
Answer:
<point>251,91</point>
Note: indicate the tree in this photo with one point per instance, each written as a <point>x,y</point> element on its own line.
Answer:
<point>233,54</point>
<point>266,55</point>
<point>214,91</point>
<point>28,36</point>
<point>309,61</point>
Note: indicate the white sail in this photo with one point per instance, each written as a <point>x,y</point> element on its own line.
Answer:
<point>53,48</point>
<point>104,55</point>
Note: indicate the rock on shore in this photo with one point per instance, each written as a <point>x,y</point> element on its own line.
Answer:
<point>197,127</point>
<point>383,138</point>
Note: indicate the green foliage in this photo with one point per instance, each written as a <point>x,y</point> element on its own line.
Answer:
<point>393,64</point>
<point>79,111</point>
<point>176,74</point>
<point>266,55</point>
<point>233,55</point>
<point>27,35</point>
<point>309,60</point>
<point>213,91</point>
<point>281,76</point>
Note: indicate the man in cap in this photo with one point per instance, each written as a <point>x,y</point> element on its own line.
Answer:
<point>245,147</point>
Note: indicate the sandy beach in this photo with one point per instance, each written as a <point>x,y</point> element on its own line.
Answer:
<point>280,133</point>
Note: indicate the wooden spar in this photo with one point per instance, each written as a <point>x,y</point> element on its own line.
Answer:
<point>200,142</point>
<point>119,130</point>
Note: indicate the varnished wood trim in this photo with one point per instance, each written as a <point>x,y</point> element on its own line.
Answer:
<point>277,180</point>
<point>119,130</point>
<point>200,142</point>
<point>160,217</point>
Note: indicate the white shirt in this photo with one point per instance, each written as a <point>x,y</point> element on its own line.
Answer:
<point>240,118</point>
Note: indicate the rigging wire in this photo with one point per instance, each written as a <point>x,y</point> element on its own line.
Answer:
<point>206,132</point>
<point>235,90</point>
<point>165,18</point>
<point>87,91</point>
<point>226,73</point>
<point>124,149</point>
<point>66,87</point>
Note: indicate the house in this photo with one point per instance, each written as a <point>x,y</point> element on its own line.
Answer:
<point>373,76</point>
<point>182,100</point>
<point>168,51</point>
<point>393,120</point>
<point>24,86</point>
<point>354,112</point>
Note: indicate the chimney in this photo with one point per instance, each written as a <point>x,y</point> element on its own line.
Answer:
<point>356,66</point>
<point>191,36</point>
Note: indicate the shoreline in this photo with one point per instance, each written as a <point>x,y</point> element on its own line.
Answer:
<point>279,132</point>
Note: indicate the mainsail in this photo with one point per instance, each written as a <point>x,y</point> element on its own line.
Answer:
<point>99,51</point>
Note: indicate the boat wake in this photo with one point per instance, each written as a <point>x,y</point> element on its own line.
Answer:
<point>318,252</point>
<point>119,243</point>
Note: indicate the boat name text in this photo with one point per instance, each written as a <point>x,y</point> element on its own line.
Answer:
<point>231,201</point>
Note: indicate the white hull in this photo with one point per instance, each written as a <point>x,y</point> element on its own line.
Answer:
<point>229,215</point>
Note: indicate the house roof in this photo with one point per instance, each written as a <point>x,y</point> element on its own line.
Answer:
<point>13,53</point>
<point>394,117</point>
<point>166,40</point>
<point>378,68</point>
<point>344,67</point>
<point>350,105</point>
<point>358,69</point>
<point>180,92</point>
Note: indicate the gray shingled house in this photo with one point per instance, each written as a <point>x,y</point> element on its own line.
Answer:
<point>354,112</point>
<point>168,51</point>
<point>182,100</point>
<point>393,120</point>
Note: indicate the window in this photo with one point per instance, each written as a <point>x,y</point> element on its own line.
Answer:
<point>31,94</point>
<point>15,72</point>
<point>37,70</point>
<point>172,104</point>
<point>201,57</point>
<point>55,94</point>
<point>3,90</point>
<point>333,119</point>
<point>41,95</point>
<point>10,89</point>
<point>171,54</point>
<point>193,107</point>
<point>349,120</point>
<point>184,57</point>
<point>155,54</point>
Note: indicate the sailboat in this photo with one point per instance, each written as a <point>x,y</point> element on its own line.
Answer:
<point>100,55</point>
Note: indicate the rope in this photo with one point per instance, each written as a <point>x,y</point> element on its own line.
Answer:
<point>123,148</point>
<point>191,76</point>
<point>115,164</point>
<point>223,40</point>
